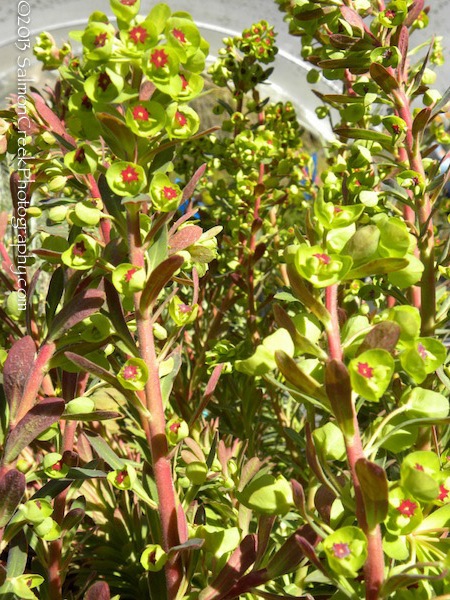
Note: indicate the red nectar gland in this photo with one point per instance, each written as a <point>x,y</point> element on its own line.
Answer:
<point>139,35</point>
<point>79,249</point>
<point>169,192</point>
<point>159,59</point>
<point>323,258</point>
<point>365,370</point>
<point>179,35</point>
<point>180,118</point>
<point>341,550</point>
<point>129,175</point>
<point>130,372</point>
<point>407,508</point>
<point>140,113</point>
<point>129,274</point>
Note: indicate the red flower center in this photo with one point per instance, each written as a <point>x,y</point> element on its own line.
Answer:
<point>80,155</point>
<point>180,118</point>
<point>57,466</point>
<point>184,82</point>
<point>422,351</point>
<point>323,258</point>
<point>177,33</point>
<point>415,180</point>
<point>130,372</point>
<point>341,550</point>
<point>396,129</point>
<point>390,14</point>
<point>120,477</point>
<point>104,81</point>
<point>443,493</point>
<point>129,274</point>
<point>337,210</point>
<point>86,102</point>
<point>169,192</point>
<point>175,427</point>
<point>418,467</point>
<point>184,308</point>
<point>100,40</point>
<point>407,508</point>
<point>128,2</point>
<point>129,174</point>
<point>79,249</point>
<point>365,370</point>
<point>159,58</point>
<point>140,113</point>
<point>139,35</point>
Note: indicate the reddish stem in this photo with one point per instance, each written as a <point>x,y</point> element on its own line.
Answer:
<point>374,566</point>
<point>334,338</point>
<point>168,505</point>
<point>423,211</point>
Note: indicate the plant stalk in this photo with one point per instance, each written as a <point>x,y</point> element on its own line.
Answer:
<point>374,566</point>
<point>168,505</point>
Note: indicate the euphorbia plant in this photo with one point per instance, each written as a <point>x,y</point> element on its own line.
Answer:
<point>150,351</point>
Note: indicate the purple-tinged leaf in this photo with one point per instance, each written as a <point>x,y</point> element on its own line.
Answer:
<point>403,43</point>
<point>374,488</point>
<point>54,122</point>
<point>80,307</point>
<point>16,370</point>
<point>98,591</point>
<point>184,238</point>
<point>73,518</point>
<point>159,277</point>
<point>12,489</point>
<point>117,318</point>
<point>298,494</point>
<point>339,392</point>
<point>265,526</point>
<point>323,500</point>
<point>302,381</point>
<point>209,391</point>
<point>87,365</point>
<point>311,456</point>
<point>249,470</point>
<point>306,298</point>
<point>36,421</point>
<point>352,18</point>
<point>421,121</point>
<point>413,12</point>
<point>310,553</point>
<point>240,560</point>
<point>96,415</point>
<point>385,336</point>
<point>383,78</point>
<point>190,187</point>
<point>289,556</point>
<point>187,546</point>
